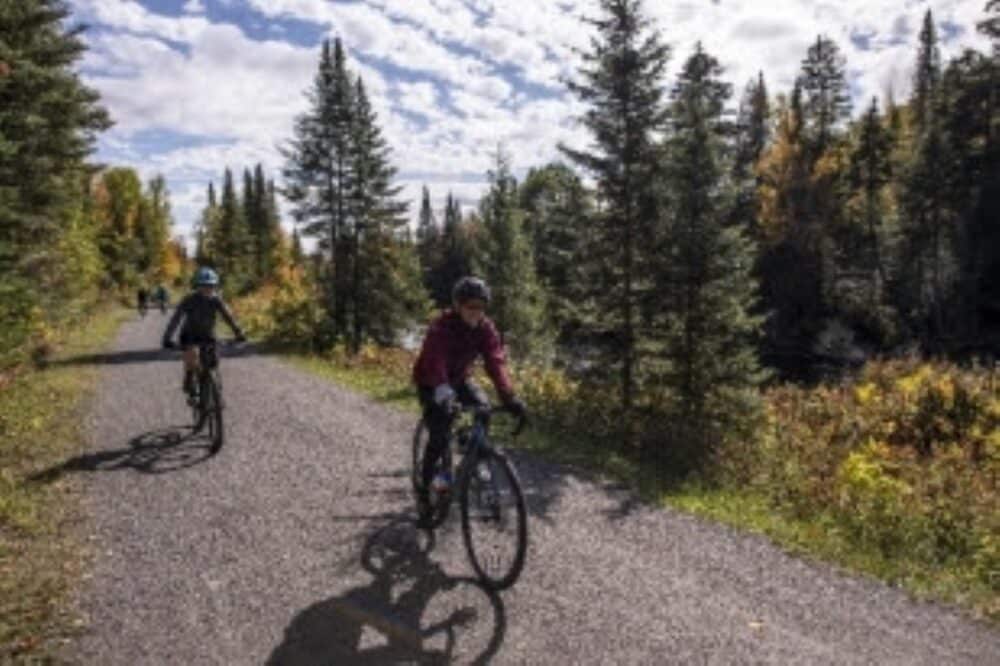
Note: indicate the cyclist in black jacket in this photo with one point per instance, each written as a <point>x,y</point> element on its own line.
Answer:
<point>198,310</point>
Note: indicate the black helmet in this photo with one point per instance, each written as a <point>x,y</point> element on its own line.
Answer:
<point>469,288</point>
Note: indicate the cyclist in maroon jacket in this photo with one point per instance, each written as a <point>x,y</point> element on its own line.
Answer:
<point>453,343</point>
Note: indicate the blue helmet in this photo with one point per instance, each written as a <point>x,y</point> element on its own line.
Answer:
<point>206,277</point>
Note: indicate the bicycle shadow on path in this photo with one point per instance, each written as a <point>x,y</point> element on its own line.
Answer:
<point>410,612</point>
<point>155,452</point>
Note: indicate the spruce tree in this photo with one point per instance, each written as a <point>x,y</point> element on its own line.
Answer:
<point>927,76</point>
<point>621,83</point>
<point>428,242</point>
<point>386,291</point>
<point>871,171</point>
<point>455,257</point>
<point>704,337</point>
<point>229,241</point>
<point>48,123</point>
<point>318,177</point>
<point>826,98</point>
<point>752,135</point>
<point>557,211</point>
<point>508,267</point>
<point>206,230</point>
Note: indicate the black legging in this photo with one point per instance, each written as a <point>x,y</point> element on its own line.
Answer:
<point>439,421</point>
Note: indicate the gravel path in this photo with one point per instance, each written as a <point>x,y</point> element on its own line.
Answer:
<point>295,545</point>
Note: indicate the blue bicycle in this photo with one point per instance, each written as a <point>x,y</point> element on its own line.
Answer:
<point>494,513</point>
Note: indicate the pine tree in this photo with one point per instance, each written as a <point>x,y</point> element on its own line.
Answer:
<point>927,76</point>
<point>827,102</point>
<point>428,242</point>
<point>752,135</point>
<point>48,124</point>
<point>206,229</point>
<point>704,337</point>
<point>318,177</point>
<point>386,292</point>
<point>921,285</point>
<point>275,244</point>
<point>969,114</point>
<point>621,83</point>
<point>871,171</point>
<point>455,258</point>
<point>229,242</point>
<point>508,266</point>
<point>557,211</point>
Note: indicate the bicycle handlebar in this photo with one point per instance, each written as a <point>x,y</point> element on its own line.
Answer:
<point>522,420</point>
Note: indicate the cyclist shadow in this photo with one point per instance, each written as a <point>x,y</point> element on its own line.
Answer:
<point>411,612</point>
<point>154,452</point>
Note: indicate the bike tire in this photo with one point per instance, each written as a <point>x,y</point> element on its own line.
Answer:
<point>198,411</point>
<point>439,503</point>
<point>216,430</point>
<point>506,575</point>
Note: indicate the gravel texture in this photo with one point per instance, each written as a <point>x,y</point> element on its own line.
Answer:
<point>295,545</point>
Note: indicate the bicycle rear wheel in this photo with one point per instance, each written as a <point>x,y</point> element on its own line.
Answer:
<point>440,502</point>
<point>494,519</point>
<point>212,405</point>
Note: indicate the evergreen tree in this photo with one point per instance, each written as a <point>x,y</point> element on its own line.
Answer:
<point>921,284</point>
<point>704,336</point>
<point>752,135</point>
<point>229,241</point>
<point>428,242</point>
<point>48,124</point>
<point>455,255</point>
<point>206,229</point>
<point>386,291</point>
<point>970,121</point>
<point>621,83</point>
<point>557,211</point>
<point>827,102</point>
<point>318,177</point>
<point>508,266</point>
<point>927,75</point>
<point>275,241</point>
<point>871,171</point>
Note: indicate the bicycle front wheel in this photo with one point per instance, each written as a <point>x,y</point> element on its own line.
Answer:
<point>213,411</point>
<point>494,519</point>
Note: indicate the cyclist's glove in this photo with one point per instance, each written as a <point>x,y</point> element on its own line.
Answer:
<point>444,395</point>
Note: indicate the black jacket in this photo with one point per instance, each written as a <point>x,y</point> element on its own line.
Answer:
<point>199,313</point>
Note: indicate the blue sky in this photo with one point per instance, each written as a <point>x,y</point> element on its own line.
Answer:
<point>198,85</point>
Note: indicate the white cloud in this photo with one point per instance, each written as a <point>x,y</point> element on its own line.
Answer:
<point>194,7</point>
<point>450,79</point>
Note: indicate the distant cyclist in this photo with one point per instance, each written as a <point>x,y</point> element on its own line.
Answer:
<point>452,344</point>
<point>161,297</point>
<point>142,300</point>
<point>198,310</point>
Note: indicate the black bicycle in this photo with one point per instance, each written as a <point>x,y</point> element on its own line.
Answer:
<point>494,513</point>
<point>208,405</point>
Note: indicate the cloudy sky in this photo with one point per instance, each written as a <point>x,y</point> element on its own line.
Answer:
<point>196,85</point>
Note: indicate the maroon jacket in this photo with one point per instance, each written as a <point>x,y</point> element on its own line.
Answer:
<point>451,347</point>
